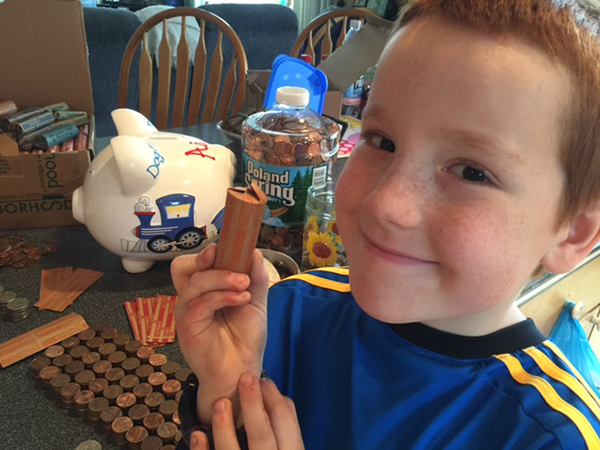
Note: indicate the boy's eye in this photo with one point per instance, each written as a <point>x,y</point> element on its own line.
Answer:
<point>470,172</point>
<point>381,142</point>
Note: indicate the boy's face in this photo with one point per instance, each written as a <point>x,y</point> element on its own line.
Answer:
<point>448,202</point>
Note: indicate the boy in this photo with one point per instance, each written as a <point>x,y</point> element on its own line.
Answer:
<point>479,163</point>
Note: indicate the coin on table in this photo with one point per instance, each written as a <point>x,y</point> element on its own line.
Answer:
<point>54,350</point>
<point>89,445</point>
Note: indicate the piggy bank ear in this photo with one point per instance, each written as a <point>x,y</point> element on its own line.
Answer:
<point>132,123</point>
<point>138,164</point>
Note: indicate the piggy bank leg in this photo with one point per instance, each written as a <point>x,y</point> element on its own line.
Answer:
<point>136,265</point>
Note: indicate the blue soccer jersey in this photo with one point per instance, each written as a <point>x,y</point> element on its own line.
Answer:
<point>362,384</point>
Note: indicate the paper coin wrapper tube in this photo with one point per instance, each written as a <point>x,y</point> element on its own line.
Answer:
<point>244,209</point>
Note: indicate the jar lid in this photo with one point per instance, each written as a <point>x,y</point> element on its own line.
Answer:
<point>292,96</point>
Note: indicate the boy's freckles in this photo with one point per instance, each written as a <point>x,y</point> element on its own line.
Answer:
<point>424,241</point>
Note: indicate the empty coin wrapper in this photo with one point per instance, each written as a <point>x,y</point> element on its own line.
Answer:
<point>244,209</point>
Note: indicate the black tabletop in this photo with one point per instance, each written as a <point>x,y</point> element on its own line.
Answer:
<point>30,418</point>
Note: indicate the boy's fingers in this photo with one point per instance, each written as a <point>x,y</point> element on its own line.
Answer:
<point>256,420</point>
<point>223,427</point>
<point>185,266</point>
<point>199,441</point>
<point>282,412</point>
<point>259,281</point>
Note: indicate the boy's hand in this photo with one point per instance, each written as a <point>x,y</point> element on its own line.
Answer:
<point>270,420</point>
<point>221,320</point>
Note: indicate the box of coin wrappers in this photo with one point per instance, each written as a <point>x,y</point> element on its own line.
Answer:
<point>43,62</point>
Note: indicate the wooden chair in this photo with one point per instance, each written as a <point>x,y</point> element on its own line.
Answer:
<point>318,33</point>
<point>224,94</point>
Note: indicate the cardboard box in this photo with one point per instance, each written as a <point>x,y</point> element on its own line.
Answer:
<point>343,67</point>
<point>43,61</point>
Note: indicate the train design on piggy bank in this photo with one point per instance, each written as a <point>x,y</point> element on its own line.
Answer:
<point>177,230</point>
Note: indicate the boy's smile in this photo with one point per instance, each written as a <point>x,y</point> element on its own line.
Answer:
<point>448,202</point>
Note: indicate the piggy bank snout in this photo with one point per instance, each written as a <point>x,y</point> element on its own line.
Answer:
<point>78,205</point>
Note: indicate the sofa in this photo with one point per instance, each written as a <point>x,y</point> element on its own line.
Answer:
<point>265,31</point>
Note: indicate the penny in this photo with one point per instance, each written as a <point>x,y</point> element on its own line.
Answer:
<point>86,335</point>
<point>57,382</point>
<point>166,431</point>
<point>178,396</point>
<point>121,425</point>
<point>130,364</point>
<point>70,342</point>
<point>85,377</point>
<point>132,347</point>
<point>99,326</point>
<point>114,375</point>
<point>152,443</point>
<point>106,349</point>
<point>153,400</point>
<point>62,360</point>
<point>175,417</point>
<point>38,364</point>
<point>47,373</point>
<point>74,367</point>
<point>68,391</point>
<point>98,385</point>
<point>116,358</point>
<point>54,351</point>
<point>128,382</point>
<point>94,343</point>
<point>90,358</point>
<point>144,371</point>
<point>157,360</point>
<point>169,368</point>
<point>120,340</point>
<point>125,401</point>
<point>108,415</point>
<point>82,400</point>
<point>156,379</point>
<point>170,388</point>
<point>78,352</point>
<point>138,412</point>
<point>183,374</point>
<point>101,367</point>
<point>152,421</point>
<point>112,392</point>
<point>141,390</point>
<point>145,353</point>
<point>136,435</point>
<point>168,408</point>
<point>109,334</point>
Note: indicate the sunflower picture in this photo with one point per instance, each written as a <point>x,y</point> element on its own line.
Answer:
<point>321,249</point>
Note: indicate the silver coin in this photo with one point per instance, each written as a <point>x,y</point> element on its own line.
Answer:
<point>89,445</point>
<point>18,305</point>
<point>7,296</point>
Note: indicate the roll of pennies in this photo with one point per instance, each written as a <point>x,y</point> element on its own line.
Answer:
<point>99,326</point>
<point>38,364</point>
<point>98,385</point>
<point>67,394</point>
<point>141,390</point>
<point>90,358</point>
<point>132,347</point>
<point>82,400</point>
<point>47,373</point>
<point>120,427</point>
<point>135,435</point>
<point>109,334</point>
<point>170,388</point>
<point>74,367</point>
<point>157,360</point>
<point>117,358</point>
<point>183,374</point>
<point>156,380</point>
<point>130,364</point>
<point>79,351</point>
<point>94,343</point>
<point>57,382</point>
<point>125,401</point>
<point>152,421</point>
<point>18,309</point>
<point>61,361</point>
<point>153,400</point>
<point>54,350</point>
<point>128,382</point>
<point>101,367</point>
<point>120,340</point>
<point>170,368</point>
<point>166,431</point>
<point>114,375</point>
<point>112,392</point>
<point>144,354</point>
<point>86,335</point>
<point>138,413</point>
<point>168,408</point>
<point>144,371</point>
<point>84,378</point>
<point>108,416</point>
<point>106,349</point>
<point>152,443</point>
<point>95,407</point>
<point>70,342</point>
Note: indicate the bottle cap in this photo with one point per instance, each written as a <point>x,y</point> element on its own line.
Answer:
<point>355,23</point>
<point>292,96</point>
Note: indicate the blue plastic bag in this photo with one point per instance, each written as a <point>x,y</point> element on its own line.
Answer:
<point>570,337</point>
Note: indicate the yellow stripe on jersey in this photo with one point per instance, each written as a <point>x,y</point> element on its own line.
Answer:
<point>321,282</point>
<point>553,371</point>
<point>336,270</point>
<point>552,346</point>
<point>552,399</point>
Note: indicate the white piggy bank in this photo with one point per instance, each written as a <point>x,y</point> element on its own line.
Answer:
<point>153,195</point>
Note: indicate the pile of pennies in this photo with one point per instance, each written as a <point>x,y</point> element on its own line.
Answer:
<point>12,307</point>
<point>131,391</point>
<point>17,252</point>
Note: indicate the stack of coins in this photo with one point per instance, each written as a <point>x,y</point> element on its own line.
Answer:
<point>5,298</point>
<point>87,372</point>
<point>18,309</point>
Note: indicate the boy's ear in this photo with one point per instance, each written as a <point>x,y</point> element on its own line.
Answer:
<point>583,234</point>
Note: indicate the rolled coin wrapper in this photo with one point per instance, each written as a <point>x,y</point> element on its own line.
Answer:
<point>33,123</point>
<point>7,121</point>
<point>56,136</point>
<point>244,208</point>
<point>7,107</point>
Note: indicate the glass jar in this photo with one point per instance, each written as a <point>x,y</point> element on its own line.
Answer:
<point>286,150</point>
